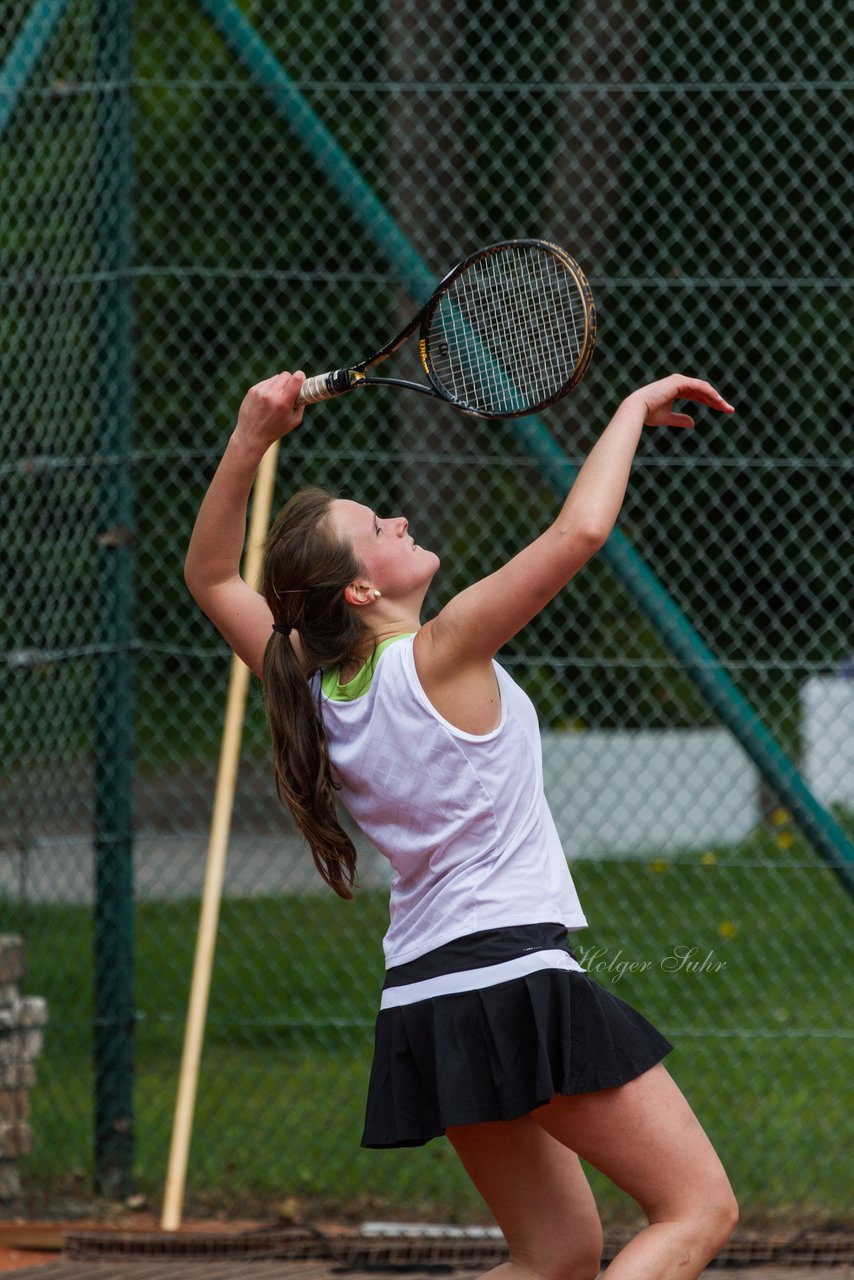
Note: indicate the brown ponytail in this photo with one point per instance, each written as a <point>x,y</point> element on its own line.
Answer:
<point>305,572</point>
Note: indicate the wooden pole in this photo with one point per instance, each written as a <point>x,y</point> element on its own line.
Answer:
<point>229,759</point>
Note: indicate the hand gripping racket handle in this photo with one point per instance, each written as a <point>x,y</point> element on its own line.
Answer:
<point>323,386</point>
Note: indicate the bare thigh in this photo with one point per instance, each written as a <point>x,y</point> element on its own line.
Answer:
<point>646,1139</point>
<point>538,1194</point>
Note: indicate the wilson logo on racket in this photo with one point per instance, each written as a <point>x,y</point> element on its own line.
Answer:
<point>509,330</point>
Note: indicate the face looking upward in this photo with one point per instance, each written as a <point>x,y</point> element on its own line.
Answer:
<point>393,563</point>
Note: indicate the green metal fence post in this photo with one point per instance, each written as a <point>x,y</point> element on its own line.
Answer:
<point>113,345</point>
<point>24,56</point>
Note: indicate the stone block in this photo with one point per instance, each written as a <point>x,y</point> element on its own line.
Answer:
<point>15,1140</point>
<point>14,1106</point>
<point>17,1075</point>
<point>18,1046</point>
<point>10,1181</point>
<point>13,965</point>
<point>21,1041</point>
<point>31,1011</point>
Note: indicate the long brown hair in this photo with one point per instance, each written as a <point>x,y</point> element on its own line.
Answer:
<point>306,569</point>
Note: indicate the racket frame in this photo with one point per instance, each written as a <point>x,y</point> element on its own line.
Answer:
<point>340,381</point>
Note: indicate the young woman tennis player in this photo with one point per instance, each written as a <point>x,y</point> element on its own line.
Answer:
<point>489,1030</point>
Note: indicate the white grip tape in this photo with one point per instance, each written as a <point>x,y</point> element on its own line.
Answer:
<point>314,389</point>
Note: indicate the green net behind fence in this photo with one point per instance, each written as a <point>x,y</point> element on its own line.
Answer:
<point>194,196</point>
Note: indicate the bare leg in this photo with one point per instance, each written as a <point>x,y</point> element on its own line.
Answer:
<point>646,1139</point>
<point>538,1195</point>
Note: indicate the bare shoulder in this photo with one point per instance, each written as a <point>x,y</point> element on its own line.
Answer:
<point>464,691</point>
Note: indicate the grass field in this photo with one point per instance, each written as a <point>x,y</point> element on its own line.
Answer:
<point>760,1011</point>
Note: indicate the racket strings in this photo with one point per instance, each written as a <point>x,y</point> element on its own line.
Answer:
<point>509,333</point>
<point>507,342</point>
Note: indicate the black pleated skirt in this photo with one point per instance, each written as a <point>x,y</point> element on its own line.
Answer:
<point>456,1044</point>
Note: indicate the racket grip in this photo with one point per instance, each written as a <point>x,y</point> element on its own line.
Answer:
<point>323,386</point>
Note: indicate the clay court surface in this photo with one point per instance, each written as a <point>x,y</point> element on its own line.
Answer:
<point>216,1250</point>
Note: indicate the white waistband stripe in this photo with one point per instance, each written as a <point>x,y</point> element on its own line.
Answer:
<point>474,979</point>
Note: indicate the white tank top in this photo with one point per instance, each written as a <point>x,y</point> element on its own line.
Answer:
<point>461,817</point>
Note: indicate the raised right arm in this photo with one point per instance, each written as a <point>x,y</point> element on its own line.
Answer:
<point>212,565</point>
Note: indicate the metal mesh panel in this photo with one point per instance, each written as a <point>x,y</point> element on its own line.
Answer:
<point>178,228</point>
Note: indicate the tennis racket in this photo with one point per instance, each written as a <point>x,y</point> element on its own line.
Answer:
<point>508,331</point>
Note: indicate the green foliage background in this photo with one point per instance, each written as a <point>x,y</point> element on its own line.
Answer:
<point>694,157</point>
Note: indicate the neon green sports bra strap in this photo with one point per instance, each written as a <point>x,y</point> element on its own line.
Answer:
<point>361,681</point>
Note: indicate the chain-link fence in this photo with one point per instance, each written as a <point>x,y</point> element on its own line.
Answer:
<point>198,193</point>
